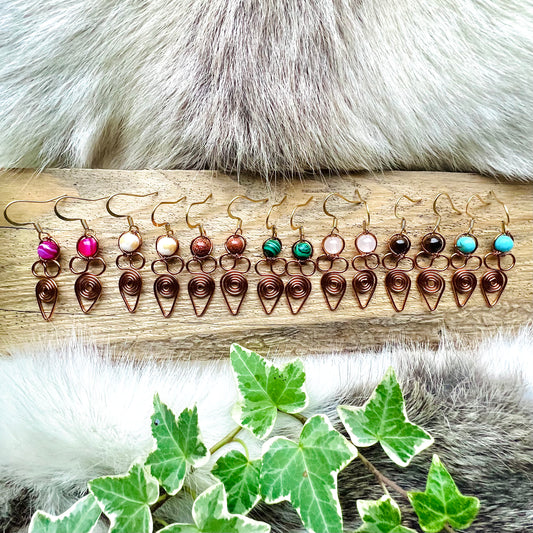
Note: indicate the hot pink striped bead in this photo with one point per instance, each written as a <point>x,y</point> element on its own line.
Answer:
<point>87,246</point>
<point>48,250</point>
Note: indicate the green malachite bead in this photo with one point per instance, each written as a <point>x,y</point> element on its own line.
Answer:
<point>503,243</point>
<point>466,244</point>
<point>272,247</point>
<point>302,250</point>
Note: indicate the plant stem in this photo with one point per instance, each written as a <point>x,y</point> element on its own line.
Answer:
<point>299,417</point>
<point>448,528</point>
<point>226,440</point>
<point>383,480</point>
<point>243,444</point>
<point>160,501</point>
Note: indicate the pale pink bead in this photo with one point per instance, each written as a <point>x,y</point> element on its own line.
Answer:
<point>87,246</point>
<point>333,245</point>
<point>48,250</point>
<point>366,243</point>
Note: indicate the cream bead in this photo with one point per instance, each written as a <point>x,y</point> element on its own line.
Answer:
<point>166,246</point>
<point>129,242</point>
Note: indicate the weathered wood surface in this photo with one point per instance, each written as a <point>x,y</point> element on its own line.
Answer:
<point>316,328</point>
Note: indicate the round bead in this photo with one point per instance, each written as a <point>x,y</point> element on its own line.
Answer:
<point>503,243</point>
<point>466,244</point>
<point>166,246</point>
<point>87,246</point>
<point>235,244</point>
<point>399,244</point>
<point>48,250</point>
<point>433,243</point>
<point>201,246</point>
<point>272,247</point>
<point>333,245</point>
<point>302,250</point>
<point>366,243</point>
<point>129,241</point>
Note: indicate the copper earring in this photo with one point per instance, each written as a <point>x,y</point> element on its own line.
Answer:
<point>168,266</point>
<point>87,264</point>
<point>47,267</point>
<point>131,260</point>
<point>201,286</point>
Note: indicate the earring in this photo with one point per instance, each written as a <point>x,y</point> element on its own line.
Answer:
<point>298,288</point>
<point>233,283</point>
<point>430,283</point>
<point>201,285</point>
<point>365,281</point>
<point>397,281</point>
<point>88,265</point>
<point>131,260</point>
<point>332,282</point>
<point>494,280</point>
<point>169,264</point>
<point>464,281</point>
<point>270,287</point>
<point>47,267</point>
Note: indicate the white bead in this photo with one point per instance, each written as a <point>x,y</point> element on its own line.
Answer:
<point>129,242</point>
<point>366,243</point>
<point>166,246</point>
<point>333,245</point>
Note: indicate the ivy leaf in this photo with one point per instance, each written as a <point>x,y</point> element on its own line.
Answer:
<point>240,477</point>
<point>305,473</point>
<point>126,499</point>
<point>210,515</point>
<point>381,516</point>
<point>383,419</point>
<point>178,446</point>
<point>82,517</point>
<point>442,503</point>
<point>264,389</point>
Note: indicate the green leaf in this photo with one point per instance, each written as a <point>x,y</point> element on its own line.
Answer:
<point>383,419</point>
<point>240,477</point>
<point>305,473</point>
<point>442,503</point>
<point>82,517</point>
<point>126,499</point>
<point>381,516</point>
<point>178,446</point>
<point>210,515</point>
<point>264,389</point>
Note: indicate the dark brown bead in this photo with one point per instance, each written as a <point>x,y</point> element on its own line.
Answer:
<point>433,243</point>
<point>399,244</point>
<point>235,244</point>
<point>201,246</point>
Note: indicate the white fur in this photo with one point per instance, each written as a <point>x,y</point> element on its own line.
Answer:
<point>268,85</point>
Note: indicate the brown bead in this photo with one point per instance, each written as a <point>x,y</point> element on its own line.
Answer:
<point>201,246</point>
<point>235,244</point>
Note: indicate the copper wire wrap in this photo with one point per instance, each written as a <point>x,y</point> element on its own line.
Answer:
<point>130,285</point>
<point>166,287</point>
<point>464,282</point>
<point>397,282</point>
<point>233,284</point>
<point>498,259</point>
<point>200,287</point>
<point>46,293</point>
<point>431,284</point>
<point>364,284</point>
<point>493,282</point>
<point>298,288</point>
<point>269,289</point>
<point>333,286</point>
<point>87,287</point>
<point>50,268</point>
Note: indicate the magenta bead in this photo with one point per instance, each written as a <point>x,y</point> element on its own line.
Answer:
<point>87,246</point>
<point>48,250</point>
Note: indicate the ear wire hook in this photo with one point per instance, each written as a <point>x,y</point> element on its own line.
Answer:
<point>403,221</point>
<point>267,223</point>
<point>300,228</point>
<point>199,224</point>
<point>82,220</point>
<point>472,218</point>
<point>117,215</point>
<point>168,229</point>
<point>366,222</point>
<point>504,223</point>
<point>36,225</point>
<point>239,219</point>
<point>436,211</point>
<point>325,209</point>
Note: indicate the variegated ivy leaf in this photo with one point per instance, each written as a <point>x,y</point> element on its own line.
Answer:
<point>240,477</point>
<point>442,503</point>
<point>82,517</point>
<point>210,515</point>
<point>178,446</point>
<point>264,389</point>
<point>305,473</point>
<point>383,419</point>
<point>126,500</point>
<point>381,516</point>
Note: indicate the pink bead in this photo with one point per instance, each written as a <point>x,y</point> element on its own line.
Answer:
<point>333,245</point>
<point>48,250</point>
<point>87,246</point>
<point>366,243</point>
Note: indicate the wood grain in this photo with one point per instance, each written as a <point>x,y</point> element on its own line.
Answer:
<point>316,328</point>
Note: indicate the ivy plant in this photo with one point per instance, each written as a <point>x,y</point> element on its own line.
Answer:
<point>302,471</point>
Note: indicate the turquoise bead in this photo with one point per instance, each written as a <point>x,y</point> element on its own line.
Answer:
<point>466,244</point>
<point>272,247</point>
<point>503,243</point>
<point>302,250</point>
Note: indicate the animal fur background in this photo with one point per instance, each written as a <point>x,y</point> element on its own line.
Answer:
<point>268,85</point>
<point>70,414</point>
